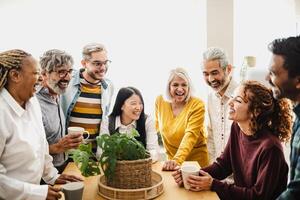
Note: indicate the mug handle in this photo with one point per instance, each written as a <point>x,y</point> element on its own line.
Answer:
<point>88,134</point>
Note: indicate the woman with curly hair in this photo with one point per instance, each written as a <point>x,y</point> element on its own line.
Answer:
<point>254,152</point>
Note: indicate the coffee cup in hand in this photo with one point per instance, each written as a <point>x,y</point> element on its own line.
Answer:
<point>78,130</point>
<point>73,190</point>
<point>186,171</point>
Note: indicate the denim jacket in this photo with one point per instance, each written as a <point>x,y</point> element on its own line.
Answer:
<point>69,98</point>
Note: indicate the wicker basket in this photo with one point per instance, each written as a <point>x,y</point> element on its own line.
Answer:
<point>152,192</point>
<point>132,174</point>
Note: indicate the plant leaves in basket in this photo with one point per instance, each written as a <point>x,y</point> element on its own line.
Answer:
<point>86,160</point>
<point>119,147</point>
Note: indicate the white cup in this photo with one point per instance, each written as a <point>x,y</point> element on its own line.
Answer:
<point>73,190</point>
<point>187,170</point>
<point>76,130</point>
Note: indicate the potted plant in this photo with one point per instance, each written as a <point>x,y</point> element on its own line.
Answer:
<point>124,160</point>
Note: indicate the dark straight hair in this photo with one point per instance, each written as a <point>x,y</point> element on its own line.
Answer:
<point>123,94</point>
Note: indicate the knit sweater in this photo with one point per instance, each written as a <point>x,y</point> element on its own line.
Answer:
<point>257,163</point>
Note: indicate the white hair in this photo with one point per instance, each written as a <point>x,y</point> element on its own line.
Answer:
<point>182,73</point>
<point>216,53</point>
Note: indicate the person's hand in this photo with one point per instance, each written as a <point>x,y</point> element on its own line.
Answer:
<point>71,141</point>
<point>169,165</point>
<point>199,183</point>
<point>53,193</point>
<point>64,178</point>
<point>177,176</point>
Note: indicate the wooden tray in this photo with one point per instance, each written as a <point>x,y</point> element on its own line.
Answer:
<point>143,193</point>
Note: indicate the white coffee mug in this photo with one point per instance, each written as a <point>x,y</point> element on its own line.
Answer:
<point>73,190</point>
<point>76,130</point>
<point>187,170</point>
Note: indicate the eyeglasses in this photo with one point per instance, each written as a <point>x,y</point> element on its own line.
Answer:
<point>98,63</point>
<point>63,72</point>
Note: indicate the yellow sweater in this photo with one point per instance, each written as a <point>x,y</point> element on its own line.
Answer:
<point>183,135</point>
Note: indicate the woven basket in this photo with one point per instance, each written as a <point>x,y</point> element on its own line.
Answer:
<point>132,174</point>
<point>155,190</point>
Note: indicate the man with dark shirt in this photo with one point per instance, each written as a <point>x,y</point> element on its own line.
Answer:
<point>284,77</point>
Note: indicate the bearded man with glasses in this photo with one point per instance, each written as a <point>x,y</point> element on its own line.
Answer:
<point>87,99</point>
<point>56,71</point>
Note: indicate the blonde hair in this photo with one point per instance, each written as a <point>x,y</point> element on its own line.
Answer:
<point>11,59</point>
<point>91,48</point>
<point>182,73</point>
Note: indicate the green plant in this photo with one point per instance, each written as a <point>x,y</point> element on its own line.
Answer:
<point>86,160</point>
<point>119,147</point>
<point>114,147</point>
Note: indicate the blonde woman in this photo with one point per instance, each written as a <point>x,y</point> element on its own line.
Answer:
<point>180,120</point>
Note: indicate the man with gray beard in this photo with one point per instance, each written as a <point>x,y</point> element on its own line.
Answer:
<point>56,68</point>
<point>217,74</point>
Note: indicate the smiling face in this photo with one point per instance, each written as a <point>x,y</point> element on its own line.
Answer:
<point>96,66</point>
<point>58,80</point>
<point>132,108</point>
<point>179,89</point>
<point>28,79</point>
<point>215,76</point>
<point>239,107</point>
<point>282,85</point>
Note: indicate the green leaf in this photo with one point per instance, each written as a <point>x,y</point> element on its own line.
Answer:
<point>85,160</point>
<point>119,147</point>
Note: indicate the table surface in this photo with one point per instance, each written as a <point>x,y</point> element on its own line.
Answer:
<point>171,190</point>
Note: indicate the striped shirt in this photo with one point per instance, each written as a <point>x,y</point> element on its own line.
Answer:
<point>87,112</point>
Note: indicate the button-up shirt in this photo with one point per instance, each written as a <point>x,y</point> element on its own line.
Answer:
<point>53,120</point>
<point>218,123</point>
<point>293,188</point>
<point>24,157</point>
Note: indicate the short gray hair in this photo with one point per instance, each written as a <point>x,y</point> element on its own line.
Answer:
<point>91,48</point>
<point>54,58</point>
<point>182,73</point>
<point>215,53</point>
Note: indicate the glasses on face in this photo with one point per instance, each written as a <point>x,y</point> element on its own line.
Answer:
<point>63,72</point>
<point>98,63</point>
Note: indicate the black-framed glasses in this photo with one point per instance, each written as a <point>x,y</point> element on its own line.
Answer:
<point>63,72</point>
<point>98,63</point>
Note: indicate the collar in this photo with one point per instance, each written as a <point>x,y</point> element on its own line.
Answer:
<point>120,125</point>
<point>229,90</point>
<point>44,91</point>
<point>296,110</point>
<point>13,104</point>
<point>77,75</point>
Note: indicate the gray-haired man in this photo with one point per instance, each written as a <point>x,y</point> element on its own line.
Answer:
<point>217,74</point>
<point>56,69</point>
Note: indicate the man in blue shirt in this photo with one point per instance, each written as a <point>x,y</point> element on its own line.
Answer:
<point>284,77</point>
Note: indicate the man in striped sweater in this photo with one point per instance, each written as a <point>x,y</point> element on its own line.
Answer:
<point>87,99</point>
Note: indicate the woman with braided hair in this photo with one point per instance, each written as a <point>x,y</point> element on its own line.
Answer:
<point>254,152</point>
<point>24,157</point>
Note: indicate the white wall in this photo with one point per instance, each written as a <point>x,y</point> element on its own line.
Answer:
<point>257,23</point>
<point>220,25</point>
<point>144,38</point>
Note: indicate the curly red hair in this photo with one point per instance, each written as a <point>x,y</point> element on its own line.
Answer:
<point>268,112</point>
